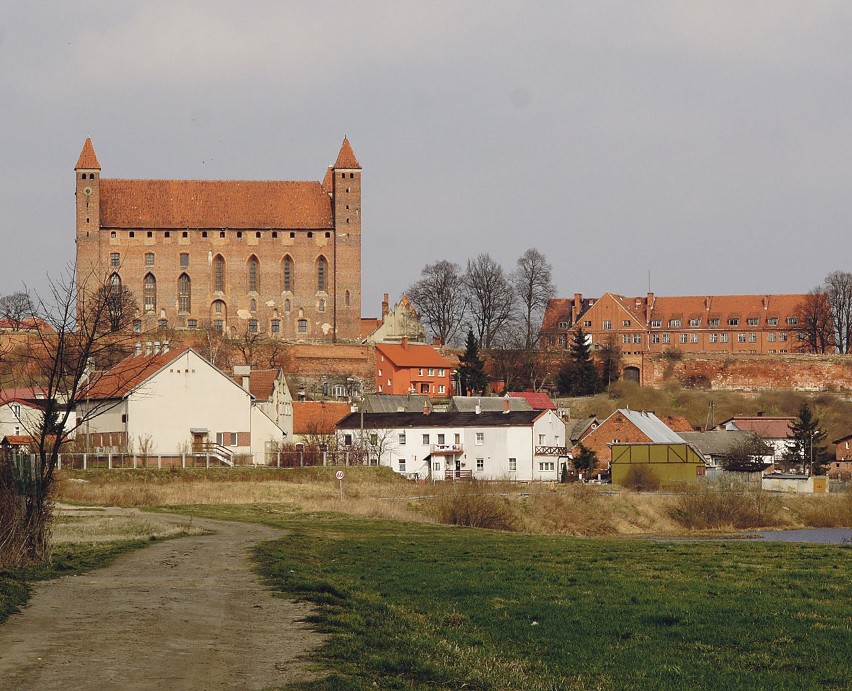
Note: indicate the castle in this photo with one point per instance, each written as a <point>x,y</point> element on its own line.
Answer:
<point>277,258</point>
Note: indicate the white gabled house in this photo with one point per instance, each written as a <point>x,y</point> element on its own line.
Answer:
<point>511,445</point>
<point>173,402</point>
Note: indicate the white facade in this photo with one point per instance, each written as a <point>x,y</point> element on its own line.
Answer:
<point>185,403</point>
<point>529,450</point>
<point>19,418</point>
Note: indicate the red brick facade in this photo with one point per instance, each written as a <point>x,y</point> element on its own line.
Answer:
<point>276,258</point>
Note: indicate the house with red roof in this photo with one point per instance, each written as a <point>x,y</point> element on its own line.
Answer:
<point>270,393</point>
<point>171,402</point>
<point>774,431</point>
<point>316,420</point>
<point>538,400</point>
<point>412,368</point>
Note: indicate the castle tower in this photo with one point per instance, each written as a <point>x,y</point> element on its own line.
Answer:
<point>346,201</point>
<point>88,175</point>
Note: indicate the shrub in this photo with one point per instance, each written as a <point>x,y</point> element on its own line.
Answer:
<point>832,511</point>
<point>713,505</point>
<point>576,510</point>
<point>642,478</point>
<point>470,504</point>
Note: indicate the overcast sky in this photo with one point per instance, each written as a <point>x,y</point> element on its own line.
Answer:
<point>706,143</point>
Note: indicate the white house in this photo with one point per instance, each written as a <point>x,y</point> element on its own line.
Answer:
<point>171,402</point>
<point>775,431</point>
<point>271,394</point>
<point>21,417</point>
<point>510,445</point>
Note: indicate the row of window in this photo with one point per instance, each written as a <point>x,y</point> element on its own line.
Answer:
<point>431,371</point>
<point>543,466</point>
<point>252,271</point>
<point>606,324</point>
<point>723,337</point>
<point>218,323</point>
<point>222,233</point>
<point>441,437</point>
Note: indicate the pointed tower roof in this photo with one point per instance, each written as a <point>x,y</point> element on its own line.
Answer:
<point>87,159</point>
<point>328,181</point>
<point>346,157</point>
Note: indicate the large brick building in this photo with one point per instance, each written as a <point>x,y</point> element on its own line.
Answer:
<point>281,258</point>
<point>694,324</point>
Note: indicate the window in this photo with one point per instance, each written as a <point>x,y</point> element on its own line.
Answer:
<point>184,293</point>
<point>480,438</point>
<point>714,338</point>
<point>587,323</point>
<point>226,438</point>
<point>252,305</point>
<point>625,322</point>
<point>544,466</point>
<point>218,307</point>
<point>288,273</point>
<point>252,274</point>
<point>347,299</point>
<point>480,464</point>
<point>137,326</point>
<point>655,338</point>
<point>425,440</point>
<point>419,371</point>
<point>275,326</point>
<point>162,324</point>
<point>753,321</point>
<point>347,440</point>
<point>441,438</point>
<point>667,338</point>
<point>695,338</point>
<point>322,271</point>
<point>16,409</point>
<point>252,326</point>
<point>115,260</point>
<point>401,465</point>
<point>656,323</point>
<point>218,273</point>
<point>625,338</point>
<point>734,321</point>
<point>402,438</point>
<point>287,305</point>
<point>607,324</point>
<point>674,323</point>
<point>752,338</point>
<point>741,338</point>
<point>149,259</point>
<point>184,259</point>
<point>772,321</point>
<point>192,323</point>
<point>302,326</point>
<point>513,464</point>
<point>431,372</point>
<point>683,338</point>
<point>637,338</point>
<point>562,325</point>
<point>695,322</point>
<point>442,388</point>
<point>321,305</point>
<point>149,292</point>
<point>792,321</point>
<point>441,372</point>
<point>218,325</point>
<point>782,336</point>
<point>723,338</point>
<point>771,337</point>
<point>714,322</point>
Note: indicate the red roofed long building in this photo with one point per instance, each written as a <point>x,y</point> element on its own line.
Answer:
<point>281,258</point>
<point>695,324</point>
<point>412,368</point>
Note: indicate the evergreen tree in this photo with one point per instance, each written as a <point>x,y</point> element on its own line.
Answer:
<point>805,447</point>
<point>471,371</point>
<point>586,460</point>
<point>578,375</point>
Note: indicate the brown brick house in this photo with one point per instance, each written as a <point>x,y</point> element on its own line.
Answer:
<point>281,258</point>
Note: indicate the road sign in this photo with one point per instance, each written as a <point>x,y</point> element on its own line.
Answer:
<point>339,475</point>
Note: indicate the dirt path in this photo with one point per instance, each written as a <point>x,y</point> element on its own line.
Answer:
<point>182,614</point>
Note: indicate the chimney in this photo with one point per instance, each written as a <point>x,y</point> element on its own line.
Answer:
<point>576,307</point>
<point>147,348</point>
<point>244,372</point>
<point>385,306</point>
<point>436,342</point>
<point>156,347</point>
<point>137,349</point>
<point>649,307</point>
<point>505,405</point>
<point>404,342</point>
<point>426,409</point>
<point>165,346</point>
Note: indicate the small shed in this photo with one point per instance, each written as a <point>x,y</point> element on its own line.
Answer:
<point>795,484</point>
<point>673,464</point>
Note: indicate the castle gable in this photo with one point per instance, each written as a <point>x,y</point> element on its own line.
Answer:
<point>213,204</point>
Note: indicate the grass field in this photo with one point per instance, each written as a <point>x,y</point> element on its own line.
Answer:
<point>416,606</point>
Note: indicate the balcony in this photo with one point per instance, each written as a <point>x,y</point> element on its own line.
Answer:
<point>551,450</point>
<point>446,449</point>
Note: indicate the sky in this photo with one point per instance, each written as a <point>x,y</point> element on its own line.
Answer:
<point>696,148</point>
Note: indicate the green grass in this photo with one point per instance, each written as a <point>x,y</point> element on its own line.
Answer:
<point>15,584</point>
<point>415,606</point>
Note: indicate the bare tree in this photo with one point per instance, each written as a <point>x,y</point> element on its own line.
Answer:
<point>491,299</point>
<point>247,343</point>
<point>838,288</point>
<point>533,284</point>
<point>73,346</point>
<point>121,305</point>
<point>439,298</point>
<point>815,330</point>
<point>16,309</point>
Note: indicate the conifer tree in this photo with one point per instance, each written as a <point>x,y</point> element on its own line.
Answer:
<point>471,371</point>
<point>805,447</point>
<point>578,375</point>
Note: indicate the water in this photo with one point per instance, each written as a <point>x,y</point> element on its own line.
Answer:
<point>824,536</point>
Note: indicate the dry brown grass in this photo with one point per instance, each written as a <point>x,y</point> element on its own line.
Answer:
<point>822,511</point>
<point>715,506</point>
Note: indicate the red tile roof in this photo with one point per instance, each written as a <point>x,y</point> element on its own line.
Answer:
<point>318,417</point>
<point>537,401</point>
<point>725,306</point>
<point>87,159</point>
<point>558,309</point>
<point>127,375</point>
<point>764,427</point>
<point>21,392</point>
<point>328,181</point>
<point>18,439</point>
<point>261,383</point>
<point>214,204</point>
<point>346,157</point>
<point>413,355</point>
<point>677,423</point>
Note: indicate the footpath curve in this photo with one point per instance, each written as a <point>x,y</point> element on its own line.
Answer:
<point>186,613</point>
